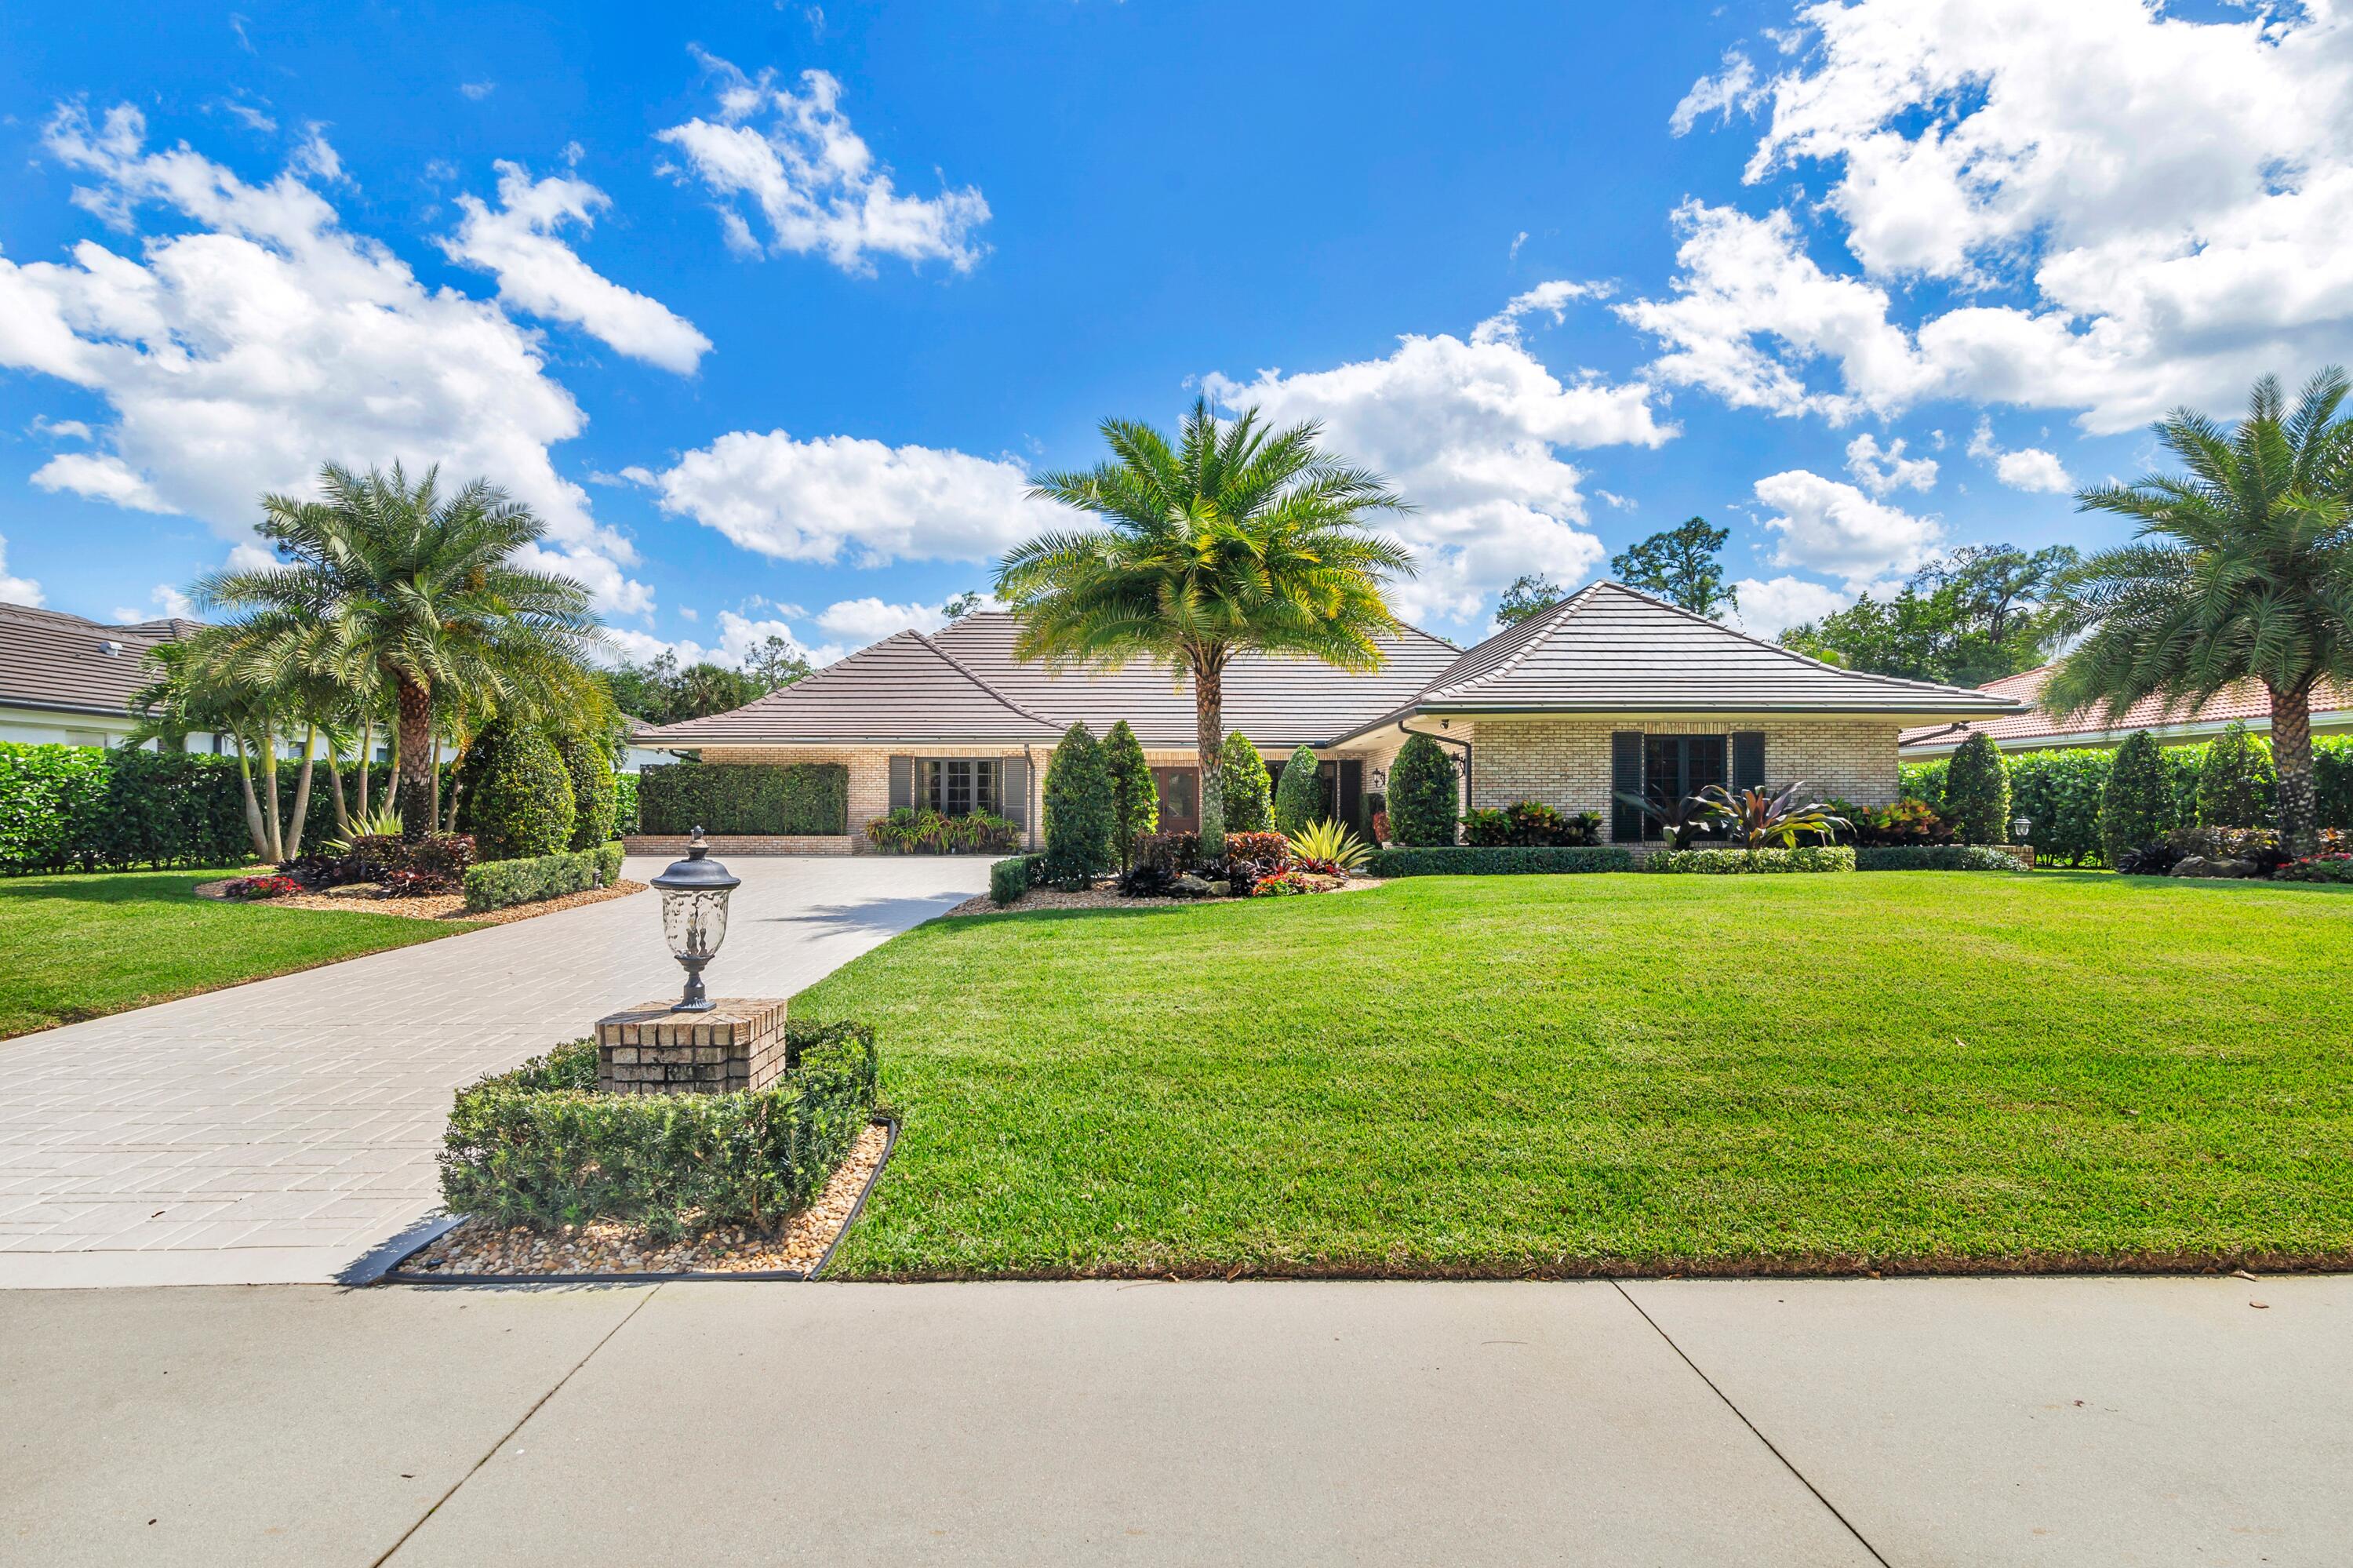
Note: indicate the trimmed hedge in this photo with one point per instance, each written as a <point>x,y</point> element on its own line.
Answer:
<point>1501,861</point>
<point>540,1147</point>
<point>1248,790</point>
<point>1008,879</point>
<point>497,884</point>
<point>595,790</point>
<point>1737,862</point>
<point>1422,794</point>
<point>1976,792</point>
<point>517,794</point>
<point>794,798</point>
<point>625,804</point>
<point>1935,857</point>
<point>1299,794</point>
<point>1079,810</point>
<point>2059,793</point>
<point>84,808</point>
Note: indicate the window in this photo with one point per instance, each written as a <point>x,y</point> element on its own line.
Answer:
<point>958,787</point>
<point>1677,765</point>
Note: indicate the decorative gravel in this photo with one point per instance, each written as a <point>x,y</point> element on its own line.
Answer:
<point>430,906</point>
<point>614,1246</point>
<point>1104,896</point>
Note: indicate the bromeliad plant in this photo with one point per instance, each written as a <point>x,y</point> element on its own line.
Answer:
<point>1330,848</point>
<point>1757,818</point>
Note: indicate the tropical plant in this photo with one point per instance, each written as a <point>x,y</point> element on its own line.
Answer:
<point>1246,791</point>
<point>1531,824</point>
<point>384,822</point>
<point>1681,821</point>
<point>1299,793</point>
<point>2243,569</point>
<point>1134,796</point>
<point>2136,808</point>
<point>1759,819</point>
<point>907,830</point>
<point>383,580</point>
<point>1977,793</point>
<point>1328,843</point>
<point>1235,539</point>
<point>1906,822</point>
<point>1422,793</point>
<point>1078,810</point>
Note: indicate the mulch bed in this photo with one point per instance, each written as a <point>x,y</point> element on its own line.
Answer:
<point>361,896</point>
<point>1104,895</point>
<point>475,1250</point>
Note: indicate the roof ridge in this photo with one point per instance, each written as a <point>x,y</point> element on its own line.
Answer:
<point>959,666</point>
<point>1534,631</point>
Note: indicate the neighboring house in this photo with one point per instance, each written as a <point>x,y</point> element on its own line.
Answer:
<point>1608,690</point>
<point>633,756</point>
<point>2035,729</point>
<point>67,680</point>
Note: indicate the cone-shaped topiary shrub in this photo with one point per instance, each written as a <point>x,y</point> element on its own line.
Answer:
<point>1249,806</point>
<point>1299,798</point>
<point>1422,794</point>
<point>1977,793</point>
<point>1079,810</point>
<point>1135,798</point>
<point>596,797</point>
<point>2138,807</point>
<point>518,796</point>
<point>2235,783</point>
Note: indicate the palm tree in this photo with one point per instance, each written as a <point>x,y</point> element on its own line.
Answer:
<point>1237,539</point>
<point>385,583</point>
<point>2243,569</point>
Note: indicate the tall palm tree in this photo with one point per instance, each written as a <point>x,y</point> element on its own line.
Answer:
<point>387,582</point>
<point>1238,538</point>
<point>2242,568</point>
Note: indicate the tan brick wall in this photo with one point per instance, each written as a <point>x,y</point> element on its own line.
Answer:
<point>1564,762</point>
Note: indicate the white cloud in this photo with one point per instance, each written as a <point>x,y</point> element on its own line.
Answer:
<point>1770,606</point>
<point>739,637</point>
<point>249,556</point>
<point>859,621</point>
<point>1471,433</point>
<point>1554,298</point>
<point>60,430</point>
<point>263,338</point>
<point>1833,528</point>
<point>2027,468</point>
<point>2133,208</point>
<point>814,181</point>
<point>17,591</point>
<point>246,115</point>
<point>821,499</point>
<point>539,273</point>
<point>478,90</point>
<point>1881,468</point>
<point>1734,87</point>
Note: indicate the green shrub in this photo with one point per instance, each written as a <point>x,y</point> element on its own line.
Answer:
<point>1977,793</point>
<point>2059,793</point>
<point>1009,879</point>
<point>2332,781</point>
<point>1134,797</point>
<point>796,800</point>
<point>907,831</point>
<point>625,804</point>
<point>1924,782</point>
<point>1422,794</point>
<point>1530,824</point>
<point>1737,862</point>
<point>2334,868</point>
<point>540,1147</point>
<point>1298,796</point>
<point>2235,782</point>
<point>1169,854</point>
<point>51,801</point>
<point>1451,861</point>
<point>2139,805</point>
<point>595,794</point>
<point>1935,857</point>
<point>1078,810</point>
<point>1250,807</point>
<point>495,884</point>
<point>518,796</point>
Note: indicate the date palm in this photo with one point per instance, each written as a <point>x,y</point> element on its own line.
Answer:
<point>2243,569</point>
<point>385,582</point>
<point>1237,538</point>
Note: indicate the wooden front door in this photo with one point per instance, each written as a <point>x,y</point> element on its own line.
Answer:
<point>1180,799</point>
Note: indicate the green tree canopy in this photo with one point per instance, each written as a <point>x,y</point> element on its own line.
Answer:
<point>1531,593</point>
<point>1975,616</point>
<point>1683,566</point>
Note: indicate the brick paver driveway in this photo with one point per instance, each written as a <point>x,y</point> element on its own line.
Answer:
<point>284,1130</point>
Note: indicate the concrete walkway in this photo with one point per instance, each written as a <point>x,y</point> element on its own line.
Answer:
<point>282,1130</point>
<point>2066,1423</point>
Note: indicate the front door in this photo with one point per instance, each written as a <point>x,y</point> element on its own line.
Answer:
<point>1180,799</point>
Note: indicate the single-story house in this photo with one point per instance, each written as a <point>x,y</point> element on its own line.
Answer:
<point>65,681</point>
<point>2033,728</point>
<point>1609,690</point>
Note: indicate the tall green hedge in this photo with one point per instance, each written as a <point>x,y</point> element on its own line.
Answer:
<point>1079,810</point>
<point>1977,793</point>
<point>2059,793</point>
<point>625,804</point>
<point>518,799</point>
<point>595,796</point>
<point>2236,788</point>
<point>794,799</point>
<point>1249,805</point>
<point>2139,807</point>
<point>81,807</point>
<point>1422,796</point>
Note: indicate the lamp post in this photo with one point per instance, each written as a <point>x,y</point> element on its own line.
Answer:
<point>694,915</point>
<point>2018,828</point>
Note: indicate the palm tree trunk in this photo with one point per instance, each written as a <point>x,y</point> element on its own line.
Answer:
<point>252,807</point>
<point>275,819</point>
<point>335,784</point>
<point>2299,827</point>
<point>367,755</point>
<point>413,781</point>
<point>433,821</point>
<point>1209,745</point>
<point>303,791</point>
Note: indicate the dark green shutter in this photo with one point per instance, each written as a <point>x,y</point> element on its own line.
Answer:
<point>1013,791</point>
<point>1747,759</point>
<point>903,783</point>
<point>1625,778</point>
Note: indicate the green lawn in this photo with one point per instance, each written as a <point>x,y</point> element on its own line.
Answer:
<point>1580,1074</point>
<point>80,946</point>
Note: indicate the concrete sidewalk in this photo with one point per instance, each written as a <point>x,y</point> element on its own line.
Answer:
<point>1907,1422</point>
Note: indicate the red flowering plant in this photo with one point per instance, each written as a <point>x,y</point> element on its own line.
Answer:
<point>274,887</point>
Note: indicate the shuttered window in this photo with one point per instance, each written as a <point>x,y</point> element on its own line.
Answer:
<point>1747,759</point>
<point>1625,780</point>
<point>959,786</point>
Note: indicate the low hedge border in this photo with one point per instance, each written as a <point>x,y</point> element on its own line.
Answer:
<point>1496,861</point>
<point>1738,861</point>
<point>540,1147</point>
<point>1935,857</point>
<point>496,885</point>
<point>1009,878</point>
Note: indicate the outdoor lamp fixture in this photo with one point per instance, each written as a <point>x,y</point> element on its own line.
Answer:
<point>2018,828</point>
<point>694,915</point>
<point>1380,780</point>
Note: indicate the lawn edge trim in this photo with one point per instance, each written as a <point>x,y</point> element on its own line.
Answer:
<point>396,1275</point>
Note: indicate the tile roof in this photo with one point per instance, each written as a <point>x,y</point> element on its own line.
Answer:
<point>2036,725</point>
<point>903,688</point>
<point>63,663</point>
<point>1608,649</point>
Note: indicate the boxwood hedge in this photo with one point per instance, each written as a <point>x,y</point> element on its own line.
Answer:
<point>789,799</point>
<point>1501,861</point>
<point>1737,862</point>
<point>1935,857</point>
<point>495,884</point>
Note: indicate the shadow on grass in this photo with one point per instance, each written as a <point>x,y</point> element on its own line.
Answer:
<point>116,887</point>
<point>2234,885</point>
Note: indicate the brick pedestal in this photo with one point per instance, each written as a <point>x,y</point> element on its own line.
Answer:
<point>649,1050</point>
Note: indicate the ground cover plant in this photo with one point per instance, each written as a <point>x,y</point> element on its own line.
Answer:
<point>1580,1074</point>
<point>82,947</point>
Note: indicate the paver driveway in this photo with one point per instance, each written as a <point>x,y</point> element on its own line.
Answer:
<point>285,1129</point>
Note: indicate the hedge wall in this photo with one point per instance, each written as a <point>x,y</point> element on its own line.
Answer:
<point>625,804</point>
<point>495,884</point>
<point>1935,857</point>
<point>81,807</point>
<point>1513,860</point>
<point>1742,861</point>
<point>794,798</point>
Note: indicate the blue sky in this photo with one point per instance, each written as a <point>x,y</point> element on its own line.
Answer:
<point>773,349</point>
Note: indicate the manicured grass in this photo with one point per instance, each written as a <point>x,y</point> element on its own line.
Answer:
<point>81,946</point>
<point>1584,1073</point>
